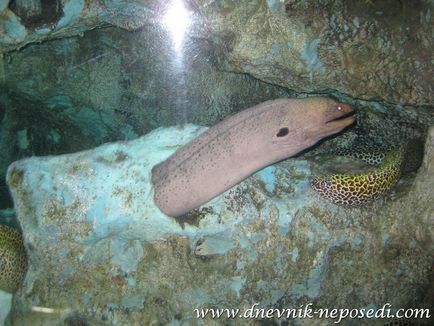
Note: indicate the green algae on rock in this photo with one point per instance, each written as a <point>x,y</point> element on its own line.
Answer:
<point>13,260</point>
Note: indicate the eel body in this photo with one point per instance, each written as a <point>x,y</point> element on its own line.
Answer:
<point>361,188</point>
<point>373,157</point>
<point>240,145</point>
<point>13,260</point>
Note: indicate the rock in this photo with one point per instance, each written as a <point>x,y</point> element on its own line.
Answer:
<point>57,125</point>
<point>5,305</point>
<point>23,22</point>
<point>115,84</point>
<point>423,197</point>
<point>374,51</point>
<point>377,51</point>
<point>101,252</point>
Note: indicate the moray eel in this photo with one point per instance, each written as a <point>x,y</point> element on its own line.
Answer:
<point>374,155</point>
<point>240,145</point>
<point>359,189</point>
<point>370,156</point>
<point>13,260</point>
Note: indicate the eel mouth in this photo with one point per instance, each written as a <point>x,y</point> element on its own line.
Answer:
<point>342,121</point>
<point>342,118</point>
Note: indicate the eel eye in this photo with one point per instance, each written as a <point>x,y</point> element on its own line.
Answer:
<point>339,107</point>
<point>282,132</point>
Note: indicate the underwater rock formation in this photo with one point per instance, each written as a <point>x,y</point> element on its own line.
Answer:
<point>114,84</point>
<point>374,50</point>
<point>27,21</point>
<point>31,126</point>
<point>101,252</point>
<point>422,194</point>
<point>5,305</point>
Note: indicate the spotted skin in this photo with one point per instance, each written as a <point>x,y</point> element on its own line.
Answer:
<point>359,189</point>
<point>240,145</point>
<point>371,157</point>
<point>13,260</point>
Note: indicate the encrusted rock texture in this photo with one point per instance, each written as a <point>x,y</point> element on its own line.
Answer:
<point>75,74</point>
<point>375,50</point>
<point>60,93</point>
<point>100,251</point>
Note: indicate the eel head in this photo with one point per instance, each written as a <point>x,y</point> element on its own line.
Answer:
<point>332,117</point>
<point>310,120</point>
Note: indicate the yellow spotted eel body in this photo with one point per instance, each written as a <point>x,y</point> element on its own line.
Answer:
<point>13,260</point>
<point>359,189</point>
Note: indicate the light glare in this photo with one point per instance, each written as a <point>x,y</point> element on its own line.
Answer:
<point>177,20</point>
<point>47,310</point>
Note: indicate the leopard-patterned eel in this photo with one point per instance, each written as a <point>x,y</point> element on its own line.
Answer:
<point>13,260</point>
<point>359,189</point>
<point>370,156</point>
